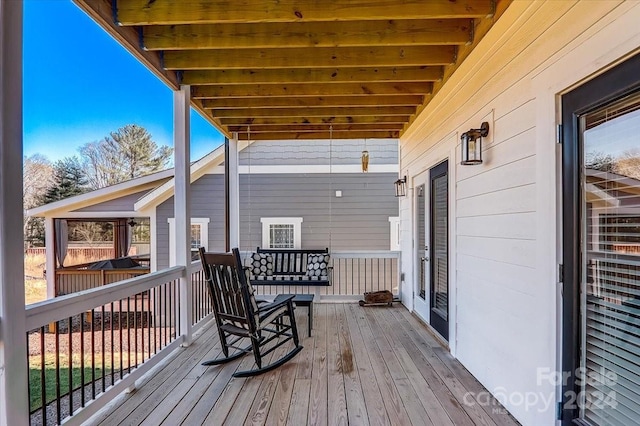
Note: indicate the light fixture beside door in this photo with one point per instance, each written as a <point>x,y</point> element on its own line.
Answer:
<point>471,145</point>
<point>401,187</point>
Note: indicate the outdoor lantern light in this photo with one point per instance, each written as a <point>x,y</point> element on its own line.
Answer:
<point>365,161</point>
<point>401,187</point>
<point>471,143</point>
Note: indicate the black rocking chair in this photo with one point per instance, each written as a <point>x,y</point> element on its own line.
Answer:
<point>239,316</point>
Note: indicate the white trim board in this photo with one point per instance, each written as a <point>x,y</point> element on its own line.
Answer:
<point>103,194</point>
<point>297,229</point>
<point>204,235</point>
<point>318,168</point>
<point>96,214</point>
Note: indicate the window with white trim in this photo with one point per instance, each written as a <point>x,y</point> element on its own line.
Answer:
<point>199,237</point>
<point>281,232</point>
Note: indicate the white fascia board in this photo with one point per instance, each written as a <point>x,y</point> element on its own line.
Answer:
<point>198,169</point>
<point>95,214</point>
<point>102,194</point>
<point>318,168</point>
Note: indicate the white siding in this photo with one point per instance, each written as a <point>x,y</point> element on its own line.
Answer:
<point>505,242</point>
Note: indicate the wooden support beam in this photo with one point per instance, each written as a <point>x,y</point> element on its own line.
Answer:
<point>320,135</point>
<point>313,112</point>
<point>311,75</point>
<point>145,12</point>
<point>295,128</point>
<point>337,89</point>
<point>321,57</point>
<point>278,121</point>
<point>307,34</point>
<point>312,101</point>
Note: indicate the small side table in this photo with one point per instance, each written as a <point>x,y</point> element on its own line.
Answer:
<point>302,300</point>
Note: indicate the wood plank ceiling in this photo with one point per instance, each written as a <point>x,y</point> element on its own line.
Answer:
<point>302,69</point>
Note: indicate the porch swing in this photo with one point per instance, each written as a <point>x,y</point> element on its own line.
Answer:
<point>275,266</point>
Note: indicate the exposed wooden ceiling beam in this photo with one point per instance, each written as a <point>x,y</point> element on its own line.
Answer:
<point>313,112</point>
<point>311,75</point>
<point>253,129</point>
<point>311,101</point>
<point>279,121</point>
<point>307,34</point>
<point>321,57</point>
<point>337,89</point>
<point>167,12</point>
<point>320,135</point>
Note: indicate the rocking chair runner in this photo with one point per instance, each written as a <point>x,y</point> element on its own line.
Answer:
<point>238,315</point>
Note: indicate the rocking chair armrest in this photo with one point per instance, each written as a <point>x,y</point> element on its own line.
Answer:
<point>274,305</point>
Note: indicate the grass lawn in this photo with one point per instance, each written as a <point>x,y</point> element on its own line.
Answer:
<point>35,382</point>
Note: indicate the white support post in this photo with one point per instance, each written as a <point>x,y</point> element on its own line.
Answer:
<point>182,201</point>
<point>14,406</point>
<point>234,193</point>
<point>50,256</point>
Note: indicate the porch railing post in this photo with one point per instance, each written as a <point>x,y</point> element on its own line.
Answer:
<point>14,405</point>
<point>50,257</point>
<point>182,208</point>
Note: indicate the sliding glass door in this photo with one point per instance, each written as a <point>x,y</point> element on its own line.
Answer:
<point>601,172</point>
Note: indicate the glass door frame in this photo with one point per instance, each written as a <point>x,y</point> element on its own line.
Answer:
<point>604,89</point>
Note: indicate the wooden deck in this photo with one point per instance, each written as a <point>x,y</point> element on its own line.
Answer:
<point>377,366</point>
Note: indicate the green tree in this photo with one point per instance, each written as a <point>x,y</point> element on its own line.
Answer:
<point>69,179</point>
<point>37,175</point>
<point>125,154</point>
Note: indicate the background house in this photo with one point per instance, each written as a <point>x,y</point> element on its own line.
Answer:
<point>308,194</point>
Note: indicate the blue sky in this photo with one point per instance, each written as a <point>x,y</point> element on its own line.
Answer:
<point>80,84</point>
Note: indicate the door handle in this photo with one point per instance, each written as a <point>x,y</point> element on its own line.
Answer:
<point>424,259</point>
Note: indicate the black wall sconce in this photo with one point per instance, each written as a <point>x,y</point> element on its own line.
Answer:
<point>401,187</point>
<point>471,143</point>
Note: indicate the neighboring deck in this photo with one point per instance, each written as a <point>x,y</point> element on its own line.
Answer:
<point>361,366</point>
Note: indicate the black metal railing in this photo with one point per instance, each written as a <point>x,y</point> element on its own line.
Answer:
<point>75,359</point>
<point>201,302</point>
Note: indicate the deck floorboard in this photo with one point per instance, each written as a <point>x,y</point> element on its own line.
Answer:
<point>361,366</point>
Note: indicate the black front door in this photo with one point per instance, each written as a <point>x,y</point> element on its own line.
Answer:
<point>439,243</point>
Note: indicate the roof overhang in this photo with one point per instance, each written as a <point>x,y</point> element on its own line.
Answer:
<point>132,186</point>
<point>198,169</point>
<point>302,69</point>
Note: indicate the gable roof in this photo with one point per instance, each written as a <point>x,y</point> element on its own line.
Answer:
<point>107,193</point>
<point>198,169</point>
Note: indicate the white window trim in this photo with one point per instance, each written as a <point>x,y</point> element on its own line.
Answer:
<point>394,228</point>
<point>297,229</point>
<point>204,235</point>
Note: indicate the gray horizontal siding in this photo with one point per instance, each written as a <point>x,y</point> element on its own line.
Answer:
<point>207,200</point>
<point>119,204</point>
<point>319,152</point>
<point>359,220</point>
